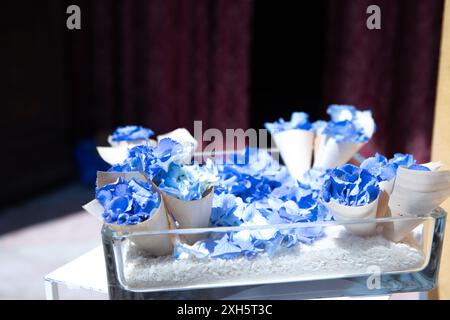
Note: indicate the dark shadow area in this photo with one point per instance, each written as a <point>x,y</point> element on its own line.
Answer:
<point>62,201</point>
<point>287,60</point>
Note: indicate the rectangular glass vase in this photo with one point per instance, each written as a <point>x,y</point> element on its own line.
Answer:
<point>336,263</point>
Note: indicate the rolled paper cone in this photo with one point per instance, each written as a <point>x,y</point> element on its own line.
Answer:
<point>415,192</point>
<point>113,155</point>
<point>191,214</point>
<point>118,152</point>
<point>398,230</point>
<point>296,147</point>
<point>433,166</point>
<point>183,137</point>
<point>174,238</point>
<point>342,213</point>
<point>418,192</point>
<point>155,244</point>
<point>328,153</point>
<point>158,245</point>
<point>385,193</point>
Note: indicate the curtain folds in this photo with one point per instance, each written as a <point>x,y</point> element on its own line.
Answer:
<point>393,71</point>
<point>162,64</point>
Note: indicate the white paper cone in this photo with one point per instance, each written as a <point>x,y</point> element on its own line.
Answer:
<point>343,213</point>
<point>398,230</point>
<point>329,154</point>
<point>183,137</point>
<point>158,245</point>
<point>94,208</point>
<point>113,155</point>
<point>433,166</point>
<point>385,193</point>
<point>415,192</point>
<point>295,148</point>
<point>191,214</point>
<point>155,244</point>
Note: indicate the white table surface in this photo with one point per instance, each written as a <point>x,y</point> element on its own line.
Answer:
<point>87,272</point>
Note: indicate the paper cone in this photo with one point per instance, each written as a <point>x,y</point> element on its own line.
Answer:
<point>157,245</point>
<point>385,193</point>
<point>415,193</point>
<point>113,155</point>
<point>329,154</point>
<point>419,192</point>
<point>191,214</point>
<point>343,213</point>
<point>398,230</point>
<point>433,166</point>
<point>295,147</point>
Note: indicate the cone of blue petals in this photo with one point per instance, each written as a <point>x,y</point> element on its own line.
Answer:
<point>188,192</point>
<point>385,171</point>
<point>340,138</point>
<point>123,139</point>
<point>294,139</point>
<point>352,193</point>
<point>131,136</point>
<point>417,190</point>
<point>127,203</point>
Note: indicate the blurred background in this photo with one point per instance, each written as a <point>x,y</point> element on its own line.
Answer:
<point>165,63</point>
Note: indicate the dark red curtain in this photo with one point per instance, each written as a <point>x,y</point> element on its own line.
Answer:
<point>393,71</point>
<point>161,63</point>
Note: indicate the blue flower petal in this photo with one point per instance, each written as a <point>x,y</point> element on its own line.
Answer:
<point>225,249</point>
<point>127,202</point>
<point>348,124</point>
<point>299,120</point>
<point>418,167</point>
<point>130,133</point>
<point>350,185</point>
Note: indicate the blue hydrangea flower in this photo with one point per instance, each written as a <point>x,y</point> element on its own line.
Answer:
<point>347,124</point>
<point>127,202</point>
<point>168,151</point>
<point>379,167</point>
<point>188,182</point>
<point>418,167</point>
<point>130,133</point>
<point>385,170</point>
<point>198,250</point>
<point>402,160</point>
<point>227,210</point>
<point>299,120</point>
<point>224,248</point>
<point>350,185</point>
<point>407,161</point>
<point>152,160</point>
<point>252,176</point>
